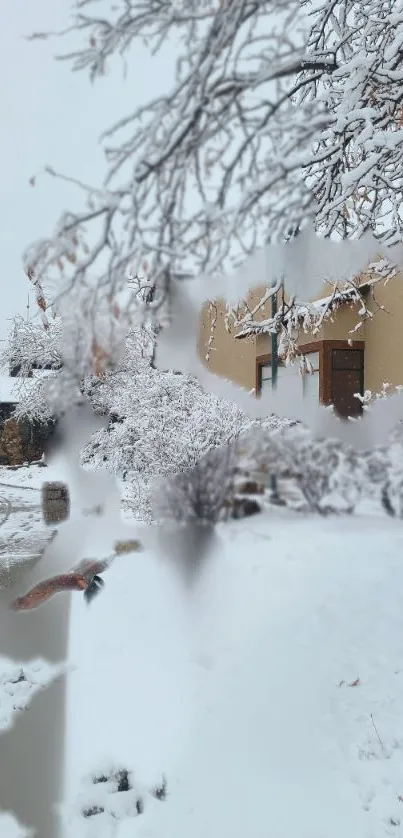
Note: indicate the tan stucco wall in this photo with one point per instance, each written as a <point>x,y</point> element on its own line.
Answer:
<point>382,334</point>
<point>383,337</point>
<point>338,328</point>
<point>228,358</point>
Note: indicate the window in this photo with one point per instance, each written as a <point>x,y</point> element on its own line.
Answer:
<point>310,380</point>
<point>289,378</point>
<point>347,380</point>
<point>337,375</point>
<point>265,377</point>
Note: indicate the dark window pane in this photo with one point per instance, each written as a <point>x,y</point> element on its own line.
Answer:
<point>348,359</point>
<point>345,384</point>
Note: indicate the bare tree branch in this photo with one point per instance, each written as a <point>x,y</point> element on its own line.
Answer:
<point>279,113</point>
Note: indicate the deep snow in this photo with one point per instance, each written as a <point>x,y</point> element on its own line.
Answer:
<point>237,688</point>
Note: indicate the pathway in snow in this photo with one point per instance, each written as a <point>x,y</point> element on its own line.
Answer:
<point>23,534</point>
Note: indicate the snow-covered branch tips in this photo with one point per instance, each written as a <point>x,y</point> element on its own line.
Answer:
<point>276,113</point>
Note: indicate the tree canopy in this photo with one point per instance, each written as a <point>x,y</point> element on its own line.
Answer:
<point>280,112</point>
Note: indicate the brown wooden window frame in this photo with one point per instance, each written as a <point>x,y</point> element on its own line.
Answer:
<point>325,349</point>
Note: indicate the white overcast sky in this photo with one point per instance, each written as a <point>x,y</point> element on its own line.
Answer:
<point>50,115</point>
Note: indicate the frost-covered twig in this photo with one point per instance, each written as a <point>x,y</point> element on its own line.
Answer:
<point>277,113</point>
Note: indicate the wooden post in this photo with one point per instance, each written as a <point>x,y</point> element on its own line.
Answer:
<point>55,502</point>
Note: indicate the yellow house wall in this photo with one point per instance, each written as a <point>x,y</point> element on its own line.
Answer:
<point>383,336</point>
<point>228,358</point>
<point>337,328</point>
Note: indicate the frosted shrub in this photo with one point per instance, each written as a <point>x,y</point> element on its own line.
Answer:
<point>328,474</point>
<point>392,485</point>
<point>203,493</point>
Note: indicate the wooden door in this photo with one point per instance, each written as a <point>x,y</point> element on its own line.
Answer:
<point>347,379</point>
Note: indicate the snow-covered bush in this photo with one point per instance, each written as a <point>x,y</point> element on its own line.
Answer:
<point>160,423</point>
<point>329,475</point>
<point>390,477</point>
<point>202,493</point>
<point>32,355</point>
<point>32,347</point>
<point>376,469</point>
<point>163,423</point>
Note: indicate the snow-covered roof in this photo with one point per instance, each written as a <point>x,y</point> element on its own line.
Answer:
<point>9,389</point>
<point>12,387</point>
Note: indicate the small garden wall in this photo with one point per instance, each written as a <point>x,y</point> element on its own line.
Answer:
<point>22,441</point>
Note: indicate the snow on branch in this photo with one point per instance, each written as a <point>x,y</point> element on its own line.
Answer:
<point>294,318</point>
<point>277,114</point>
<point>277,149</point>
<point>177,348</point>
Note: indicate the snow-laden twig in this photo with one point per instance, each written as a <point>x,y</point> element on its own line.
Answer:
<point>277,113</point>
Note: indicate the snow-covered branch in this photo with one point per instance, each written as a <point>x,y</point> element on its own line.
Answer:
<point>278,113</point>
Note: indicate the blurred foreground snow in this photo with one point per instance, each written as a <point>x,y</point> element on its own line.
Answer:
<point>268,695</point>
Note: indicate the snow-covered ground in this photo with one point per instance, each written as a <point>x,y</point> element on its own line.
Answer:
<point>23,533</point>
<point>262,697</point>
<point>268,693</point>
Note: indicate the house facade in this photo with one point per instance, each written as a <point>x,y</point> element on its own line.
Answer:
<point>343,361</point>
